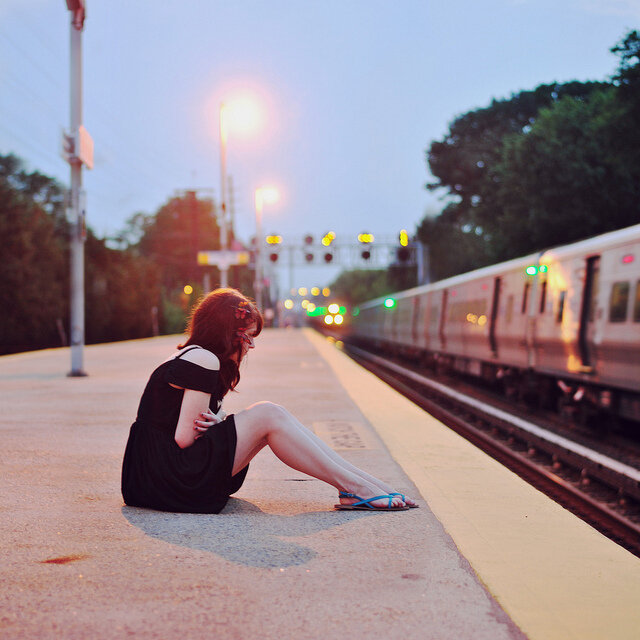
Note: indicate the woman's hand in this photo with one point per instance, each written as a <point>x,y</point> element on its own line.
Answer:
<point>208,419</point>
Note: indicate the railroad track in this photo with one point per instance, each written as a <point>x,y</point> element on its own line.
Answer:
<point>598,488</point>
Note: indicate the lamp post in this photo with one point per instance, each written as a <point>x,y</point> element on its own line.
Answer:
<point>264,195</point>
<point>224,236</point>
<point>242,116</point>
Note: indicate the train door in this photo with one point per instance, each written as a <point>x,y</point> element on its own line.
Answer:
<point>415,321</point>
<point>588,311</point>
<point>495,305</point>
<point>443,317</point>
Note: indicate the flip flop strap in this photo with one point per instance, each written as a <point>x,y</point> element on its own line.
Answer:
<point>367,503</point>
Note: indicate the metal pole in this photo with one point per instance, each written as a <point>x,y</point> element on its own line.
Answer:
<point>224,239</point>
<point>258,275</point>
<point>77,200</point>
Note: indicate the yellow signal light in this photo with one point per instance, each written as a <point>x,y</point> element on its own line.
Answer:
<point>274,239</point>
<point>404,238</point>
<point>365,238</point>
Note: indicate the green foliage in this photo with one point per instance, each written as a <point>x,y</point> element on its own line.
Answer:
<point>359,285</point>
<point>121,287</point>
<point>34,260</point>
<point>545,167</point>
<point>453,247</point>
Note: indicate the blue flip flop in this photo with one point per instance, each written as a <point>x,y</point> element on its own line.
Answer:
<point>365,505</point>
<point>410,506</point>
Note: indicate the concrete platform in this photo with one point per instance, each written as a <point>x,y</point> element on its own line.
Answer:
<point>277,563</point>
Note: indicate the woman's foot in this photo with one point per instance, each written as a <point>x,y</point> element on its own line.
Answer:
<point>386,500</point>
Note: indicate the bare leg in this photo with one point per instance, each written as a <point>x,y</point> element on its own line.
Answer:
<point>268,424</point>
<point>383,486</point>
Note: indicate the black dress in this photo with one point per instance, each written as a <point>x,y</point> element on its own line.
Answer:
<point>156,472</point>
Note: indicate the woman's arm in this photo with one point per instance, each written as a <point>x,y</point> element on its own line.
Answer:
<point>193,404</point>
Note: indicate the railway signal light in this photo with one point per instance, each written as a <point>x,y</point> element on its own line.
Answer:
<point>389,303</point>
<point>328,238</point>
<point>365,238</point>
<point>308,257</point>
<point>273,257</point>
<point>328,257</point>
<point>274,239</point>
<point>403,238</point>
<point>366,254</point>
<point>308,239</point>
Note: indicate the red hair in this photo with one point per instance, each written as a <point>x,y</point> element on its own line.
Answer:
<point>214,324</point>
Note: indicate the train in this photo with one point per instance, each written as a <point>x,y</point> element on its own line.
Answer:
<point>560,328</point>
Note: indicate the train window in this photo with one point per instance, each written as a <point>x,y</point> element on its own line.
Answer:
<point>618,302</point>
<point>525,296</point>
<point>636,304</point>
<point>561,299</point>
<point>543,296</point>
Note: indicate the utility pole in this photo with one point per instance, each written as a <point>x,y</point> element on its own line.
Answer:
<point>78,149</point>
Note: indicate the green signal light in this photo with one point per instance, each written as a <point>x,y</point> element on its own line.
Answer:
<point>318,311</point>
<point>544,268</point>
<point>355,312</point>
<point>389,303</point>
<point>531,270</point>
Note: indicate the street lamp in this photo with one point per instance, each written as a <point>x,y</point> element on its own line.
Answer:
<point>264,195</point>
<point>242,116</point>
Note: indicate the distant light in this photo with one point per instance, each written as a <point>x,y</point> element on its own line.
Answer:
<point>315,291</point>
<point>304,304</point>
<point>328,319</point>
<point>326,292</point>
<point>531,270</point>
<point>188,289</point>
<point>311,307</point>
<point>302,291</point>
<point>544,268</point>
<point>338,319</point>
<point>333,308</point>
<point>288,304</point>
<point>482,320</point>
<point>389,303</point>
<point>629,258</point>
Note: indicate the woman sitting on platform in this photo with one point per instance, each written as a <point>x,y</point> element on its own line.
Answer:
<point>184,454</point>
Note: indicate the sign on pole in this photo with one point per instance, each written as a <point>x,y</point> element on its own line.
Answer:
<point>223,259</point>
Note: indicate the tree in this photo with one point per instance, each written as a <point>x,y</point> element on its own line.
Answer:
<point>34,259</point>
<point>546,167</point>
<point>172,237</point>
<point>121,288</point>
<point>454,247</point>
<point>571,177</point>
<point>464,162</point>
<point>359,285</point>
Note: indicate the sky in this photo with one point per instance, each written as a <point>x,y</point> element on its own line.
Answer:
<point>351,94</point>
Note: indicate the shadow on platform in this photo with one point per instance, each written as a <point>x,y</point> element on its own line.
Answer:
<point>242,533</point>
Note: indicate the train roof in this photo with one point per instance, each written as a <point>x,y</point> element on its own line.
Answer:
<point>590,245</point>
<point>596,244</point>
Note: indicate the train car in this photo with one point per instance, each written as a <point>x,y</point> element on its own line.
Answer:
<point>562,324</point>
<point>588,321</point>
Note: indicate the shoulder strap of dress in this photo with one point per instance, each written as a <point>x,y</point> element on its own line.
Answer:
<point>191,348</point>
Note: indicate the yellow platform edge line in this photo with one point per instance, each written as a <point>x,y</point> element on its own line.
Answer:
<point>554,575</point>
